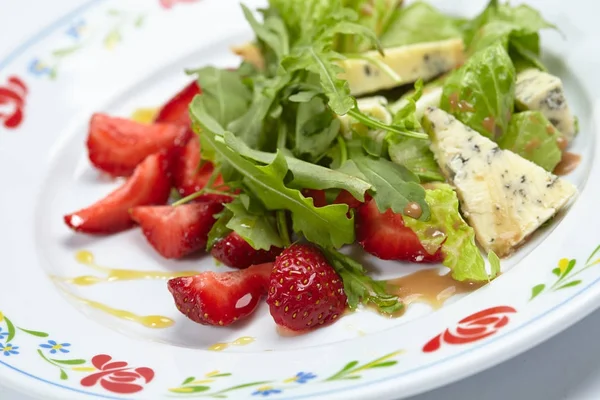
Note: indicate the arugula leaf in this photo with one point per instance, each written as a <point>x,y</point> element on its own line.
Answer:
<point>533,137</point>
<point>481,93</point>
<point>447,229</point>
<point>272,32</point>
<point>257,227</point>
<point>305,175</point>
<point>313,59</point>
<point>394,186</point>
<point>316,129</point>
<point>326,226</point>
<point>419,23</point>
<point>360,287</point>
<point>250,127</point>
<point>219,230</point>
<point>224,95</point>
<point>374,15</point>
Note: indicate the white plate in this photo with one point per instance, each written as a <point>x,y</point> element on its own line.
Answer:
<point>116,56</point>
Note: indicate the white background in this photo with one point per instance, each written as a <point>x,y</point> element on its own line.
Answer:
<point>565,367</point>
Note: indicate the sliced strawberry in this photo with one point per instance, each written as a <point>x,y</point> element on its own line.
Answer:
<point>149,184</point>
<point>188,176</point>
<point>117,145</point>
<point>175,111</point>
<point>385,236</point>
<point>220,299</point>
<point>235,252</point>
<point>346,198</point>
<point>305,292</point>
<point>318,196</point>
<point>177,231</point>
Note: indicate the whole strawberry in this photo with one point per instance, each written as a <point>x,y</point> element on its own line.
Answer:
<point>305,292</point>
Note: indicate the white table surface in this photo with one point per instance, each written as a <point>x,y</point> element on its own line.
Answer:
<point>565,367</point>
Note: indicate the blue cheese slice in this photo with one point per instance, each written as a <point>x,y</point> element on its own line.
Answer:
<point>540,91</point>
<point>504,197</point>
<point>410,62</point>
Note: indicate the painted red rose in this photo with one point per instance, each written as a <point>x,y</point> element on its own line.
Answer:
<point>12,102</point>
<point>117,376</point>
<point>170,3</point>
<point>475,327</point>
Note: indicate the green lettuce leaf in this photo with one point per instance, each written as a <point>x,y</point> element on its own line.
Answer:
<point>418,23</point>
<point>517,28</point>
<point>481,93</point>
<point>447,229</point>
<point>533,137</point>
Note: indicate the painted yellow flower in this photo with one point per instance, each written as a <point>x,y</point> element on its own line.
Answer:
<point>563,264</point>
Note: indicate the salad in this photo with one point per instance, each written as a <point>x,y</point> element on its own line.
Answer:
<point>421,137</point>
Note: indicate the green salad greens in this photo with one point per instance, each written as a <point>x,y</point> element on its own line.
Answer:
<point>290,124</point>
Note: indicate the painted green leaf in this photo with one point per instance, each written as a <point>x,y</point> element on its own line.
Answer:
<point>570,284</point>
<point>34,333</point>
<point>384,364</point>
<point>351,377</point>
<point>66,51</point>
<point>592,255</point>
<point>69,362</point>
<point>556,271</point>
<point>537,290</point>
<point>63,375</point>
<point>11,329</point>
<point>220,375</point>
<point>349,366</point>
<point>190,389</point>
<point>242,386</point>
<point>569,268</point>
<point>188,380</point>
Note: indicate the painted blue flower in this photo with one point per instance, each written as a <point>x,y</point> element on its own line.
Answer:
<point>266,391</point>
<point>76,29</point>
<point>303,377</point>
<point>3,334</point>
<point>9,349</point>
<point>54,347</point>
<point>39,68</point>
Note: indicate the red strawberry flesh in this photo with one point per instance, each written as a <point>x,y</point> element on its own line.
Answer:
<point>385,236</point>
<point>149,185</point>
<point>188,176</point>
<point>175,111</point>
<point>117,145</point>
<point>221,299</point>
<point>235,252</point>
<point>176,232</point>
<point>305,292</point>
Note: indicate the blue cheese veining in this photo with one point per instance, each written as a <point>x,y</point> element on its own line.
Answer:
<point>537,90</point>
<point>504,196</point>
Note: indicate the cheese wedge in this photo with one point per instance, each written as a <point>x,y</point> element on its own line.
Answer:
<point>411,62</point>
<point>504,197</point>
<point>538,90</point>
